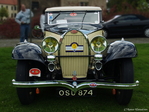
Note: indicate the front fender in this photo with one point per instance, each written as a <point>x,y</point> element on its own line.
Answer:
<point>120,49</point>
<point>27,51</point>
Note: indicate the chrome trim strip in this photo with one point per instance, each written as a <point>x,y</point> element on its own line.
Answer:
<point>76,56</point>
<point>31,84</point>
<point>98,57</point>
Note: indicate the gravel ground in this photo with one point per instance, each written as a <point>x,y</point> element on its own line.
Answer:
<point>13,42</point>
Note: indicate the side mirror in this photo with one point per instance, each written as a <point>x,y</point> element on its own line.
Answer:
<point>37,27</point>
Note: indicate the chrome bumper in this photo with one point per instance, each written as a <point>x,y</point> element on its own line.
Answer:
<point>74,86</point>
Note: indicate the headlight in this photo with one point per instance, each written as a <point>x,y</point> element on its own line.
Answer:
<point>98,44</point>
<point>50,45</point>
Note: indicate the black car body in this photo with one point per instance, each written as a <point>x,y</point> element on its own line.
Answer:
<point>127,25</point>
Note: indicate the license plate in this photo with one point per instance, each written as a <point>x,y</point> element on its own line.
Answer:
<point>81,93</point>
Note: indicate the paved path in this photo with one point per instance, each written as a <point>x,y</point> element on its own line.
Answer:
<point>13,42</point>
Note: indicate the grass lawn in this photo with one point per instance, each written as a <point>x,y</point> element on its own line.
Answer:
<point>47,101</point>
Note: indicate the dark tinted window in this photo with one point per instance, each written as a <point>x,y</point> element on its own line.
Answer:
<point>128,18</point>
<point>35,5</point>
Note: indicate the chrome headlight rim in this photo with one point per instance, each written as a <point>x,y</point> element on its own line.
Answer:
<point>104,43</point>
<point>56,47</point>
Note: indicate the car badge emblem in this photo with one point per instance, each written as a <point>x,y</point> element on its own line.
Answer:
<point>73,14</point>
<point>93,85</point>
<point>73,31</point>
<point>74,45</point>
<point>74,74</point>
<point>74,83</point>
<point>34,72</point>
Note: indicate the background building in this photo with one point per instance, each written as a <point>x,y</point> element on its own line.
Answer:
<point>11,6</point>
<point>38,5</point>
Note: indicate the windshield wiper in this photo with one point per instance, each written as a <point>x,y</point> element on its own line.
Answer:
<point>83,19</point>
<point>56,16</point>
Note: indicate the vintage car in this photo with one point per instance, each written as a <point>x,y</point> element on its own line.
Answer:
<point>75,57</point>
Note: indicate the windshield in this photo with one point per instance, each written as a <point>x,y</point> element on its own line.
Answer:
<point>73,17</point>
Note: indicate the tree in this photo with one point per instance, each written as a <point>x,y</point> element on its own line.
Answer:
<point>3,13</point>
<point>118,7</point>
<point>141,5</point>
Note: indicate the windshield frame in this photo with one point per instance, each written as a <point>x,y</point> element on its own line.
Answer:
<point>81,22</point>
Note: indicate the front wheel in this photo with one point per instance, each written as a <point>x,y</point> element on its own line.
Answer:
<point>146,32</point>
<point>25,95</point>
<point>125,74</point>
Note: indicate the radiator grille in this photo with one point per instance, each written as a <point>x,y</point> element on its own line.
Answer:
<point>69,65</point>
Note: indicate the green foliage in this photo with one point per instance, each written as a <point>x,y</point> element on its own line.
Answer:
<point>47,101</point>
<point>3,12</point>
<point>141,5</point>
<point>119,7</point>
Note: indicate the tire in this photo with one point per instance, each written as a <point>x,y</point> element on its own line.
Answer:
<point>125,75</point>
<point>146,32</point>
<point>25,95</point>
<point>37,33</point>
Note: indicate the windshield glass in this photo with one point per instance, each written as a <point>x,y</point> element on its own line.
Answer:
<point>73,17</point>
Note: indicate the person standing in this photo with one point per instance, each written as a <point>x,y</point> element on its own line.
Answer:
<point>42,20</point>
<point>23,18</point>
